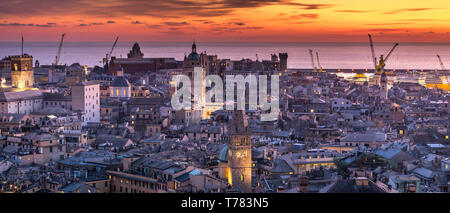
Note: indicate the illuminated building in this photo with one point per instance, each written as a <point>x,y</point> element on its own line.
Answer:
<point>22,71</point>
<point>120,88</point>
<point>21,98</point>
<point>240,153</point>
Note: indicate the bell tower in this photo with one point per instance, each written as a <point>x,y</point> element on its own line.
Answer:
<point>240,153</point>
<point>22,71</point>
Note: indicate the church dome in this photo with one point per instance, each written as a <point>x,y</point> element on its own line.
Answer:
<point>193,56</point>
<point>120,81</point>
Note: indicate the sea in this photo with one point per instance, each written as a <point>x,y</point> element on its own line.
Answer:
<point>332,55</point>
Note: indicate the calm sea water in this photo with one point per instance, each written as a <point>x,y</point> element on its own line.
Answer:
<point>332,55</point>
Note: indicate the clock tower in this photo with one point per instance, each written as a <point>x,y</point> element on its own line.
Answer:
<point>240,153</point>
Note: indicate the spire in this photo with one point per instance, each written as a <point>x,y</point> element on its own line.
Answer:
<point>194,47</point>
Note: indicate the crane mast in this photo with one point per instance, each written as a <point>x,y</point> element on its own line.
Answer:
<point>382,62</point>
<point>112,49</point>
<point>312,60</point>
<point>318,62</point>
<point>373,52</point>
<point>390,52</point>
<point>58,55</point>
<point>442,64</point>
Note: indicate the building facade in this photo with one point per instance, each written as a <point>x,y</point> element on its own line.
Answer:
<point>240,153</point>
<point>86,98</point>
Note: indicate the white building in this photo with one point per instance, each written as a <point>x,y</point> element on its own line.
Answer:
<point>20,101</point>
<point>86,99</point>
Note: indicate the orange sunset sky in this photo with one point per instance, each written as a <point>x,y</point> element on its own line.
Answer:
<point>226,20</point>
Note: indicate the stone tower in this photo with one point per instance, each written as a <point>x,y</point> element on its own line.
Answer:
<point>22,71</point>
<point>283,61</point>
<point>240,153</point>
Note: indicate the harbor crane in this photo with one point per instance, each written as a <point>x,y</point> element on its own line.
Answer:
<point>58,55</point>
<point>108,56</point>
<point>379,67</point>
<point>318,62</point>
<point>442,64</point>
<point>312,60</point>
<point>443,74</point>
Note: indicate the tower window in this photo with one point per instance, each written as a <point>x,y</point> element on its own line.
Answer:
<point>242,177</point>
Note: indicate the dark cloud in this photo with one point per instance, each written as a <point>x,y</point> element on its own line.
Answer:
<point>154,8</point>
<point>239,23</point>
<point>172,23</point>
<point>15,24</point>
<point>408,10</point>
<point>46,25</point>
<point>136,22</point>
<point>90,24</point>
<point>110,22</point>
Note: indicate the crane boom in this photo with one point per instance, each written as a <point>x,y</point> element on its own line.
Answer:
<point>442,64</point>
<point>390,52</point>
<point>58,55</point>
<point>312,60</point>
<point>318,61</point>
<point>112,49</point>
<point>373,51</point>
